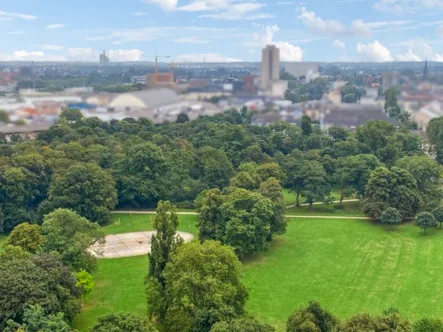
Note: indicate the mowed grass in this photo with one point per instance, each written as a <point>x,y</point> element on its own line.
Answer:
<point>349,266</point>
<point>350,209</point>
<point>120,282</point>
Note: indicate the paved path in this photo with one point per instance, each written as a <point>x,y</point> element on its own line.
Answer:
<point>128,244</point>
<point>288,216</point>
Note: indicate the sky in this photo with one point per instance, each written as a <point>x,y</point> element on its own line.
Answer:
<point>221,30</point>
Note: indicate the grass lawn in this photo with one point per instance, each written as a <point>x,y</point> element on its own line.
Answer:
<point>349,266</point>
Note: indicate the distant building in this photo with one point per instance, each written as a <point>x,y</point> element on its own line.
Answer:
<point>390,80</point>
<point>306,69</point>
<point>104,60</point>
<point>160,80</point>
<point>426,70</point>
<point>270,65</point>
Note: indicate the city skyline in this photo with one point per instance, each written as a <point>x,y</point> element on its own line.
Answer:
<point>223,30</point>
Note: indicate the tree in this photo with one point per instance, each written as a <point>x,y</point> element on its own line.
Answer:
<point>71,114</point>
<point>306,125</point>
<point>240,218</point>
<point>35,280</point>
<point>438,214</point>
<point>203,286</point>
<point>182,118</point>
<point>435,135</point>
<point>122,322</point>
<point>216,167</point>
<point>139,174</point>
<point>393,187</point>
<point>36,320</point>
<point>71,235</point>
<point>426,172</point>
<point>85,282</point>
<point>311,318</point>
<point>426,220</point>
<point>86,189</point>
<point>391,217</point>
<point>27,237</point>
<point>428,325</point>
<point>350,98</point>
<point>163,244</point>
<point>244,324</point>
<point>272,189</point>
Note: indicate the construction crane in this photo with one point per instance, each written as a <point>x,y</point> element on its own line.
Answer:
<point>156,57</point>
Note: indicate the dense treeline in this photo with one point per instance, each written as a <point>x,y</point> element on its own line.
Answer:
<point>92,166</point>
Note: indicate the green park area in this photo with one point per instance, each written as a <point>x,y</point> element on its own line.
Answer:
<point>349,266</point>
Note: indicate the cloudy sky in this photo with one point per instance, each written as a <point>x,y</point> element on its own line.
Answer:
<point>222,30</point>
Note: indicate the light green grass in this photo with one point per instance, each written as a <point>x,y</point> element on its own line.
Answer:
<point>119,282</point>
<point>349,266</point>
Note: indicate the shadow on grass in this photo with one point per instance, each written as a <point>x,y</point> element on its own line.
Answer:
<point>260,257</point>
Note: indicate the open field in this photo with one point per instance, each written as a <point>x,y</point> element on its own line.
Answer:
<point>349,266</point>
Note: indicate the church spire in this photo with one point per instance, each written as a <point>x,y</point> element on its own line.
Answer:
<point>426,71</point>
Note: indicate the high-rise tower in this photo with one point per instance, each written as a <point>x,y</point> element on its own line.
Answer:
<point>270,65</point>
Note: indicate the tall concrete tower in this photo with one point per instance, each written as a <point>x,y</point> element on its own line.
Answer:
<point>270,65</point>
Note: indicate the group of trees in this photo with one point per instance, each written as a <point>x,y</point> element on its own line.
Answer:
<point>45,272</point>
<point>91,166</point>
<point>314,318</point>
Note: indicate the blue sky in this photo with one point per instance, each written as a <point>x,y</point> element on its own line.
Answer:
<point>222,30</point>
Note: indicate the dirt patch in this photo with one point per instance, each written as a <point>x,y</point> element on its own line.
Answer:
<point>128,244</point>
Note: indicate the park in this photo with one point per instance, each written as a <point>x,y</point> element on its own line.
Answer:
<point>348,265</point>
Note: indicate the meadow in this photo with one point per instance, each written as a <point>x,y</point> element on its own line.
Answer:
<point>349,266</point>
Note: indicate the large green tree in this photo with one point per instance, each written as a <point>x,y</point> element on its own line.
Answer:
<point>393,187</point>
<point>425,221</point>
<point>312,318</point>
<point>86,189</point>
<point>203,287</point>
<point>123,322</point>
<point>35,280</point>
<point>71,235</point>
<point>240,218</point>
<point>163,244</point>
<point>27,237</point>
<point>244,324</point>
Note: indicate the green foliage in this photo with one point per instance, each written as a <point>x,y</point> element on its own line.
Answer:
<point>391,217</point>
<point>311,318</point>
<point>203,287</point>
<point>36,320</point>
<point>428,325</point>
<point>239,218</point>
<point>71,114</point>
<point>182,118</point>
<point>244,324</point>
<point>365,322</point>
<point>393,187</point>
<point>123,322</point>
<point>86,189</point>
<point>27,237</point>
<point>426,220</point>
<point>35,280</point>
<point>163,245</point>
<point>70,235</point>
<point>306,125</point>
<point>85,282</point>
<point>438,214</point>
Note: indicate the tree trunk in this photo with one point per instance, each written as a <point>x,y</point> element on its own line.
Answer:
<point>297,199</point>
<point>310,205</point>
<point>342,196</point>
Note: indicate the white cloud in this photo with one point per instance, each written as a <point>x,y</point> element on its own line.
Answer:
<point>16,32</point>
<point>125,55</point>
<point>334,28</point>
<point>288,51</point>
<point>54,26</point>
<point>165,4</point>
<point>419,49</point>
<point>339,44</point>
<point>410,56</point>
<point>82,54</point>
<point>239,11</point>
<point>205,5</point>
<point>204,57</point>
<point>31,56</point>
<point>189,40</point>
<point>51,47</point>
<point>402,6</point>
<point>375,52</point>
<point>5,16</point>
